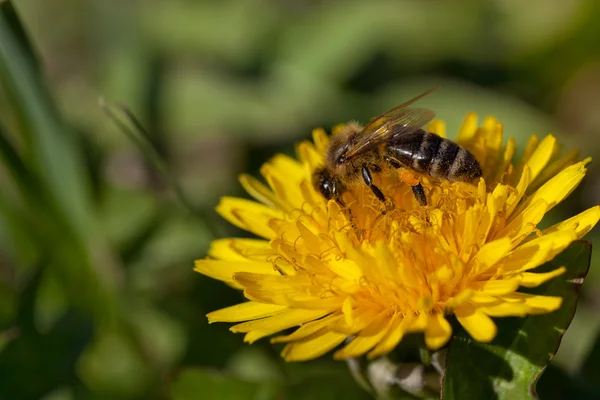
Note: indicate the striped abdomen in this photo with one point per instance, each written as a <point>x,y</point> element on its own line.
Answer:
<point>430,154</point>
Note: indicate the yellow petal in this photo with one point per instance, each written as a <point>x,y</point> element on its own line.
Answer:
<point>530,279</point>
<point>559,187</point>
<point>239,249</point>
<point>494,203</point>
<point>581,224</point>
<point>244,312</point>
<point>284,184</point>
<point>480,326</point>
<point>316,346</point>
<point>522,304</point>
<point>509,151</point>
<point>541,304</point>
<point>320,139</point>
<point>418,323</point>
<point>388,266</point>
<point>532,144</point>
<point>496,287</point>
<point>253,336</point>
<point>493,143</point>
<point>483,299</point>
<point>248,215</point>
<point>309,155</point>
<point>553,169</point>
<point>438,331</point>
<point>358,321</point>
<point>259,191</point>
<point>398,327</point>
<point>505,309</point>
<point>523,223</point>
<point>537,251</point>
<point>541,156</point>
<point>490,253</point>
<point>311,240</point>
<point>345,268</point>
<point>225,270</point>
<point>438,127</point>
<point>366,339</point>
<point>285,319</point>
<point>307,329</point>
<point>274,289</point>
<point>515,196</point>
<point>467,129</point>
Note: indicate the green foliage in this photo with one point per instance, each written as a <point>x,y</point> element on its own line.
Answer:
<point>99,224</point>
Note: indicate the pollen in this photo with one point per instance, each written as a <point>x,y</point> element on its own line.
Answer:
<point>373,272</point>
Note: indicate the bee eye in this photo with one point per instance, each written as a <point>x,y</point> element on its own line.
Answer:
<point>326,188</point>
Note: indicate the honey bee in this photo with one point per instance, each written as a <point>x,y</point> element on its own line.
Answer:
<point>395,140</point>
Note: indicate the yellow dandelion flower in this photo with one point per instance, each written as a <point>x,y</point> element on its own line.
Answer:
<point>381,275</point>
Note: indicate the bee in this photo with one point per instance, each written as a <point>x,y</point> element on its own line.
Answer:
<point>393,140</point>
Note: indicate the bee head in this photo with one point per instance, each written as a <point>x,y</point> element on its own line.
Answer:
<point>327,184</point>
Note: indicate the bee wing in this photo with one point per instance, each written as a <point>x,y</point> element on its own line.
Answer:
<point>398,121</point>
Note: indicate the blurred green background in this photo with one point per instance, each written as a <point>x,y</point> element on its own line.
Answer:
<point>98,299</point>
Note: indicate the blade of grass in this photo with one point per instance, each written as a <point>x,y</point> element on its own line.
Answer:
<point>49,147</point>
<point>49,173</point>
<point>135,131</point>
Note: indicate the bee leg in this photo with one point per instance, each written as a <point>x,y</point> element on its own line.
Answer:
<point>350,215</point>
<point>343,206</point>
<point>419,194</point>
<point>369,181</point>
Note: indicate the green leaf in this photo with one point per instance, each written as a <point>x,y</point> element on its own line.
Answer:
<point>510,366</point>
<point>198,383</point>
<point>49,147</point>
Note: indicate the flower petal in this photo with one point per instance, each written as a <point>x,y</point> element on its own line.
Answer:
<point>556,189</point>
<point>320,139</point>
<point>523,223</point>
<point>480,326</point>
<point>260,192</point>
<point>537,251</point>
<point>225,270</point>
<point>541,156</point>
<point>530,279</point>
<point>551,170</point>
<point>244,312</point>
<point>239,249</point>
<point>253,336</point>
<point>492,252</point>
<point>366,339</point>
<point>438,127</point>
<point>285,319</point>
<point>438,331</point>
<point>398,327</point>
<point>248,215</point>
<point>522,304</point>
<point>467,129</point>
<point>496,287</point>
<point>307,329</point>
<point>317,345</point>
<point>581,223</point>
